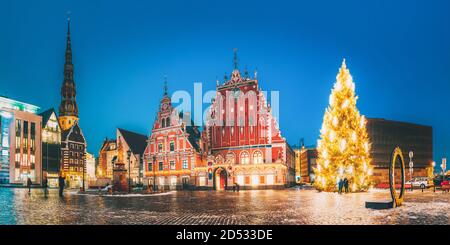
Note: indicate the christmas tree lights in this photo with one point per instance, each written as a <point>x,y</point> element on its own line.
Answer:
<point>343,147</point>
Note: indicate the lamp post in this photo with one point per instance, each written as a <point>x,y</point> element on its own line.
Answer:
<point>411,165</point>
<point>443,167</point>
<point>129,170</point>
<point>84,166</point>
<point>433,163</point>
<point>113,163</point>
<point>141,170</point>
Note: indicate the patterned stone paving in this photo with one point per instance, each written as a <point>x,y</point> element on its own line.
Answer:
<point>291,206</point>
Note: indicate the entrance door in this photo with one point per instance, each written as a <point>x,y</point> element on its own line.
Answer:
<point>223,179</point>
<point>185,183</point>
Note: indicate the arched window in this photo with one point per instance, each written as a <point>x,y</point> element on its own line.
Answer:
<point>168,122</point>
<point>219,159</point>
<point>257,157</point>
<point>230,158</point>
<point>163,123</point>
<point>245,158</point>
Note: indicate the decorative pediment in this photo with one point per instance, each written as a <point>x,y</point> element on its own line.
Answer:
<point>235,78</point>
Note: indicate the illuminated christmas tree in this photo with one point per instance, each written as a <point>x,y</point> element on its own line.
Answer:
<point>344,147</point>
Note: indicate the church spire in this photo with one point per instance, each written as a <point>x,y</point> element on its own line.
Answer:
<point>235,59</point>
<point>68,109</point>
<point>68,65</point>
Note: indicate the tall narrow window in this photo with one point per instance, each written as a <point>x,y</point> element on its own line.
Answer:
<point>161,166</point>
<point>172,165</point>
<point>25,137</point>
<point>185,164</point>
<point>168,122</point>
<point>160,146</point>
<point>18,132</point>
<point>245,158</point>
<point>257,157</point>
<point>172,146</point>
<point>33,137</point>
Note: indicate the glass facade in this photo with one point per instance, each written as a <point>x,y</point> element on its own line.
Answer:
<point>19,142</point>
<point>5,121</point>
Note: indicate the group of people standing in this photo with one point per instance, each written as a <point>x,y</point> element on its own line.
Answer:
<point>61,184</point>
<point>343,184</point>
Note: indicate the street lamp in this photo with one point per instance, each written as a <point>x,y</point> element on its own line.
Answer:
<point>84,166</point>
<point>113,163</point>
<point>129,170</point>
<point>411,165</point>
<point>443,167</point>
<point>433,164</point>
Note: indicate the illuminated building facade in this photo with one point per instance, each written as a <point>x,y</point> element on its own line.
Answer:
<point>90,169</point>
<point>73,156</point>
<point>110,154</point>
<point>20,139</point>
<point>241,143</point>
<point>305,162</point>
<point>385,135</point>
<point>136,144</point>
<point>173,150</point>
<point>51,146</point>
<point>243,140</point>
<point>107,153</point>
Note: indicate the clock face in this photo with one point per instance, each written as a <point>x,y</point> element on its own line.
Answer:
<point>165,106</point>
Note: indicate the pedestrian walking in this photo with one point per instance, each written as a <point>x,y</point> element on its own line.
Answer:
<point>45,186</point>
<point>340,185</point>
<point>62,183</point>
<point>29,185</point>
<point>346,185</point>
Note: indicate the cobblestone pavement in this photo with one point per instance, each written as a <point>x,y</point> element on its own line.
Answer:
<point>291,206</point>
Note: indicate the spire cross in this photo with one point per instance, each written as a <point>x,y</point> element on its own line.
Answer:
<point>235,59</point>
<point>165,85</point>
<point>68,21</point>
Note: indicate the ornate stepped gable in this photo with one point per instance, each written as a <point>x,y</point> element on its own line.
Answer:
<point>74,134</point>
<point>240,115</point>
<point>174,147</point>
<point>170,120</point>
<point>73,147</point>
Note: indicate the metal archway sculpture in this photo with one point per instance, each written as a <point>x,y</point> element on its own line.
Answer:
<point>397,154</point>
<point>396,200</point>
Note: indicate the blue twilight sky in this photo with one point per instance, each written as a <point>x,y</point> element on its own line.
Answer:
<point>397,51</point>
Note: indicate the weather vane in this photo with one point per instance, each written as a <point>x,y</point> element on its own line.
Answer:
<point>235,60</point>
